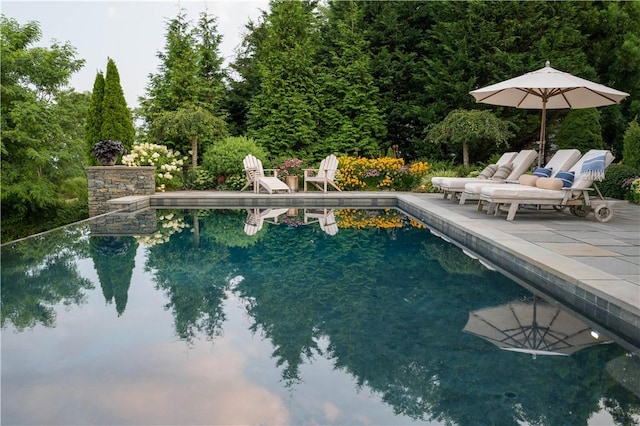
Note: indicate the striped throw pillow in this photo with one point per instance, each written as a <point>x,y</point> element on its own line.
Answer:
<point>488,171</point>
<point>503,171</point>
<point>567,178</point>
<point>542,171</point>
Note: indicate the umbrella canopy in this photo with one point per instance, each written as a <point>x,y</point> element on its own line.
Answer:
<point>548,88</point>
<point>534,328</point>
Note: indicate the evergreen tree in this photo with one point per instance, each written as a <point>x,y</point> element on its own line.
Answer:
<point>189,83</point>
<point>211,75</point>
<point>581,130</point>
<point>283,114</point>
<point>632,145</point>
<point>396,32</point>
<point>245,80</point>
<point>117,123</point>
<point>93,124</point>
<point>351,119</point>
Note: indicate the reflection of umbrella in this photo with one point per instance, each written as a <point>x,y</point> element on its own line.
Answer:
<point>548,88</point>
<point>535,328</point>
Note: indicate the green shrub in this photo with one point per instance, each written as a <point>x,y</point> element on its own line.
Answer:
<point>615,177</point>
<point>233,182</point>
<point>633,194</point>
<point>631,150</point>
<point>199,179</point>
<point>224,158</point>
<point>581,130</point>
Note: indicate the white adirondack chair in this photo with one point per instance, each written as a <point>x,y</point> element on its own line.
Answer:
<point>255,175</point>
<point>325,217</point>
<point>325,174</point>
<point>257,217</point>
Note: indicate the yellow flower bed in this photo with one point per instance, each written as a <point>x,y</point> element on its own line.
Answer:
<point>378,173</point>
<point>385,219</point>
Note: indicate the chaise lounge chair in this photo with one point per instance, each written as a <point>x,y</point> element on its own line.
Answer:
<point>562,160</point>
<point>255,175</point>
<point>438,181</point>
<point>325,217</point>
<point>506,172</point>
<point>324,176</point>
<point>590,167</point>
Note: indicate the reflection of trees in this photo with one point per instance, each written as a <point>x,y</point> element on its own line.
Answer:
<point>621,399</point>
<point>399,331</point>
<point>289,309</point>
<point>225,227</point>
<point>114,260</point>
<point>451,259</point>
<point>194,279</point>
<point>39,273</point>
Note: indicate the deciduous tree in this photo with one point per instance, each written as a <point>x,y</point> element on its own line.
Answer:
<point>474,132</point>
<point>42,140</point>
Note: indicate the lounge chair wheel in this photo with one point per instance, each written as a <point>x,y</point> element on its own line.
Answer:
<point>580,210</point>
<point>603,213</point>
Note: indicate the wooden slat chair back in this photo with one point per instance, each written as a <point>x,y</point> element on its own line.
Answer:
<point>256,176</point>
<point>325,174</point>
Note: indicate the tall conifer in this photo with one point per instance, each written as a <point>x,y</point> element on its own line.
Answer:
<point>93,124</point>
<point>283,115</point>
<point>117,123</point>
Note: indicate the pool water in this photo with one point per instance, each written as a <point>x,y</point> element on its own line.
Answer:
<point>199,318</point>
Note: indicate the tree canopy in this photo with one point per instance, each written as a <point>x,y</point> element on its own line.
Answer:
<point>41,141</point>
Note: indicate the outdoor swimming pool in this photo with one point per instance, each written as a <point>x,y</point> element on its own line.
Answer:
<point>197,317</point>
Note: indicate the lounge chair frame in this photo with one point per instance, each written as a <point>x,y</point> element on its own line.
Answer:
<point>577,199</point>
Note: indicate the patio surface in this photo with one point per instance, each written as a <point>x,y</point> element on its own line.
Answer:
<point>592,267</point>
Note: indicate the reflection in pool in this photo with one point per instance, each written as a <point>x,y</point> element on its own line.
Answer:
<point>200,322</point>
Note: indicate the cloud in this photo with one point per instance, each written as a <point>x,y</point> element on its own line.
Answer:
<point>112,12</point>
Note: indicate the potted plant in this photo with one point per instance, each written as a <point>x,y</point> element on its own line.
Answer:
<point>107,151</point>
<point>291,169</point>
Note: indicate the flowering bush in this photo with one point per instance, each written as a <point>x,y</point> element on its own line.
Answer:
<point>379,173</point>
<point>168,164</point>
<point>290,167</point>
<point>168,224</point>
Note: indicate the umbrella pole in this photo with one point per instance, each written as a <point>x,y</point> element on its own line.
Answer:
<point>543,124</point>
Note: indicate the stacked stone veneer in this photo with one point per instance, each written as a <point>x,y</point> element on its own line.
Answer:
<point>141,222</point>
<point>109,182</point>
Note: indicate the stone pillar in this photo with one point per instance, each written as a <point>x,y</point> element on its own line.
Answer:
<point>109,182</point>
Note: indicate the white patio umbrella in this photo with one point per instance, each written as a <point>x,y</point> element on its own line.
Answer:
<point>533,328</point>
<point>548,88</point>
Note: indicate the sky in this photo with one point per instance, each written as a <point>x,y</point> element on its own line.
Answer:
<point>129,32</point>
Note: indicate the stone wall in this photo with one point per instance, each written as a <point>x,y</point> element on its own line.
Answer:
<point>142,222</point>
<point>108,182</point>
